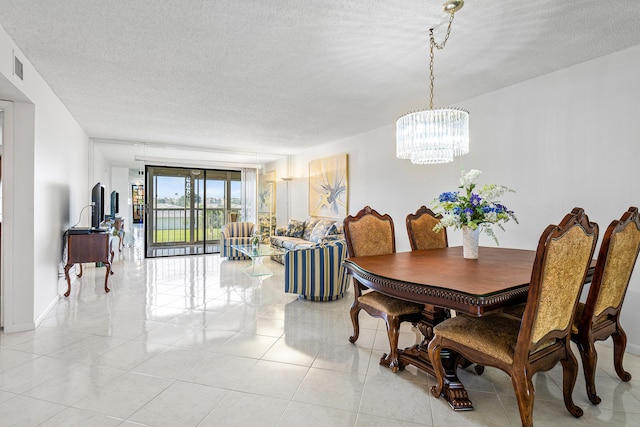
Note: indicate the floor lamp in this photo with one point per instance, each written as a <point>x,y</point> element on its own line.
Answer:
<point>288,210</point>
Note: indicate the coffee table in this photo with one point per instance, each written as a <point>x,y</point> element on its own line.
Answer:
<point>256,253</point>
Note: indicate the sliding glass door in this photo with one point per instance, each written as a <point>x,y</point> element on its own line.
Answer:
<point>187,208</point>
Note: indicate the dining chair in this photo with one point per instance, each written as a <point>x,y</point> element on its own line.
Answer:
<point>598,318</point>
<point>420,230</point>
<point>370,233</point>
<point>541,339</point>
<point>423,237</point>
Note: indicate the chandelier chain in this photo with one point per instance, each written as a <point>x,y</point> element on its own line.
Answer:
<point>434,136</point>
<point>432,44</point>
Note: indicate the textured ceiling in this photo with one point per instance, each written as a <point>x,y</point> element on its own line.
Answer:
<point>277,76</point>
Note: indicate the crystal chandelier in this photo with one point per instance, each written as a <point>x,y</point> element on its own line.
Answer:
<point>434,136</point>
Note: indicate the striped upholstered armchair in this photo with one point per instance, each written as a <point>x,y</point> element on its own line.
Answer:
<point>235,233</point>
<point>316,273</point>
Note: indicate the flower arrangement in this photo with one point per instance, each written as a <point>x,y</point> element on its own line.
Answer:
<point>480,209</point>
<point>256,239</point>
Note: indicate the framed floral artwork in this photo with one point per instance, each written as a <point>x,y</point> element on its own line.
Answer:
<point>328,190</point>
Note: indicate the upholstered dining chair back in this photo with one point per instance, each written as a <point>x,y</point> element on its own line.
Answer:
<point>599,317</point>
<point>420,230</point>
<point>369,233</point>
<point>541,338</point>
<point>562,261</point>
<point>620,255</point>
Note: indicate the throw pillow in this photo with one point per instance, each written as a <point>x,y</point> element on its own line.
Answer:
<point>336,228</point>
<point>320,230</point>
<point>295,228</point>
<point>308,229</point>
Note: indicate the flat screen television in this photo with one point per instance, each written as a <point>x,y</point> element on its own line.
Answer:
<point>97,210</point>
<point>115,203</point>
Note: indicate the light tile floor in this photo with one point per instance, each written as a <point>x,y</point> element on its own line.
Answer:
<point>194,341</point>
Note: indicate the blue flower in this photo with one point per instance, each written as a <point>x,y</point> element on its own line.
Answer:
<point>449,196</point>
<point>464,208</point>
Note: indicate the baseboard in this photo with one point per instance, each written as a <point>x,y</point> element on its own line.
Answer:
<point>46,311</point>
<point>633,349</point>
<point>19,327</point>
<point>630,348</point>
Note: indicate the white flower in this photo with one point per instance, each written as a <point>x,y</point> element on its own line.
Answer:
<point>449,220</point>
<point>481,208</point>
<point>470,177</point>
<point>493,191</point>
<point>491,217</point>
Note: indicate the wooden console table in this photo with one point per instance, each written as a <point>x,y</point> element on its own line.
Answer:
<point>84,246</point>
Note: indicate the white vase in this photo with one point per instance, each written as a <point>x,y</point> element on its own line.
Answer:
<point>470,240</point>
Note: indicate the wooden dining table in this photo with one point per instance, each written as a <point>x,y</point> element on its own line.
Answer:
<point>444,280</point>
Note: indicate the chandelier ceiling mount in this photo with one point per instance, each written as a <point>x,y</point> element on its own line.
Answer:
<point>434,135</point>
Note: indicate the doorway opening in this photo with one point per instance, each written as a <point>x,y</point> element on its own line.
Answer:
<point>187,207</point>
<point>1,245</point>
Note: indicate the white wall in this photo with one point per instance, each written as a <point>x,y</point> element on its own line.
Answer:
<point>48,175</point>
<point>120,183</point>
<point>100,170</point>
<point>570,138</point>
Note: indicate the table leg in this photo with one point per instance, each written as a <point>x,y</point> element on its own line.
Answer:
<point>418,356</point>
<point>66,275</point>
<point>112,255</point>
<point>257,268</point>
<point>106,276</point>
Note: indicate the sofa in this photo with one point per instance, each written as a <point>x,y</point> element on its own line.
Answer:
<point>266,226</point>
<point>306,234</point>
<point>236,233</point>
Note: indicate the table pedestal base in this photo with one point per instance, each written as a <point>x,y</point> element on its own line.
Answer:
<point>418,356</point>
<point>257,268</point>
<point>453,391</point>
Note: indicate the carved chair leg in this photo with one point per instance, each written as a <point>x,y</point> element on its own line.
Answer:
<point>589,358</point>
<point>393,332</point>
<point>619,345</point>
<point>569,375</point>
<point>356,325</point>
<point>464,364</point>
<point>523,388</point>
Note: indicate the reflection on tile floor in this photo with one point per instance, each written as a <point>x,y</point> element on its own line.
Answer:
<point>194,341</point>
